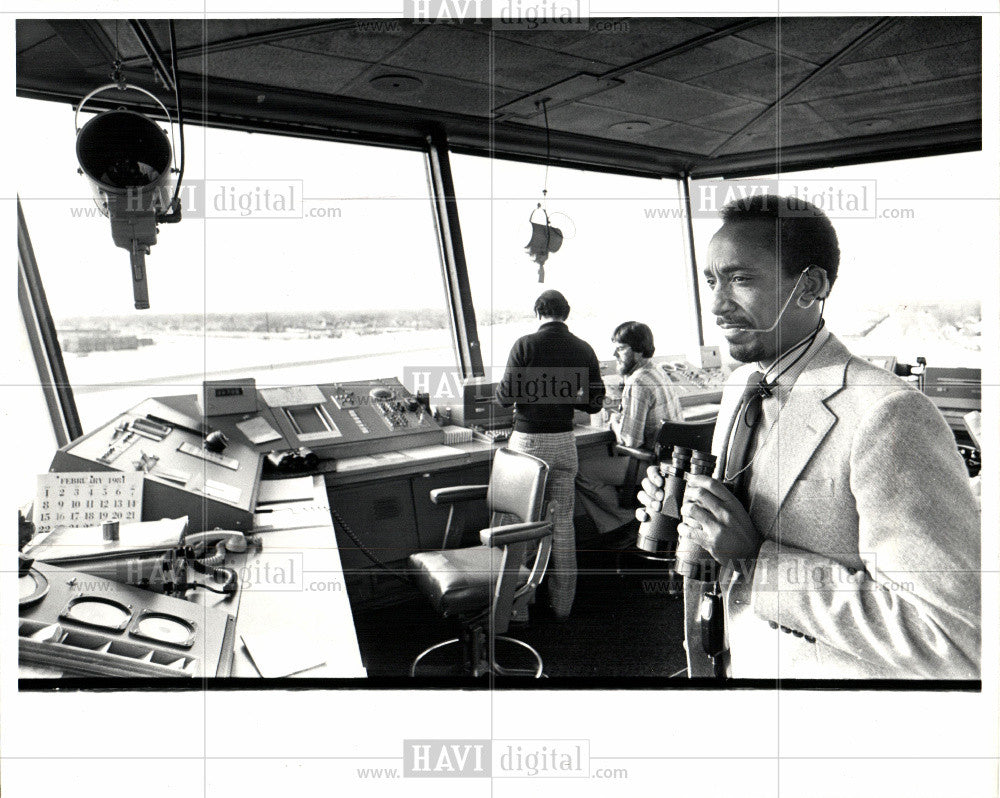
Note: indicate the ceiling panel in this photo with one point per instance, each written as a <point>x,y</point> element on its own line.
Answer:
<point>28,37</point>
<point>634,39</point>
<point>809,38</point>
<point>685,138</point>
<point>961,58</point>
<point>593,120</point>
<point>790,124</point>
<point>758,80</point>
<point>371,44</point>
<point>915,77</point>
<point>730,120</point>
<point>50,59</point>
<point>279,67</point>
<point>862,105</point>
<point>911,119</point>
<point>517,65</point>
<point>435,92</point>
<point>194,33</point>
<point>709,58</point>
<point>664,99</point>
<point>881,73</point>
<point>912,34</point>
<point>545,39</point>
<point>445,50</point>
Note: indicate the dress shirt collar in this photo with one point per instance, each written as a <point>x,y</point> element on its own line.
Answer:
<point>784,383</point>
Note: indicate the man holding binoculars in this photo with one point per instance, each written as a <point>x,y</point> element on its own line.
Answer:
<point>837,536</point>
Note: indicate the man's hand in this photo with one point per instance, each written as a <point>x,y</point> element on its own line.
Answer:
<point>712,516</point>
<point>651,495</point>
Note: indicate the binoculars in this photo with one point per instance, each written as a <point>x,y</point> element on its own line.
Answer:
<point>658,535</point>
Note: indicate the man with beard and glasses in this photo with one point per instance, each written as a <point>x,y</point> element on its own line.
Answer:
<point>648,399</point>
<point>838,537</point>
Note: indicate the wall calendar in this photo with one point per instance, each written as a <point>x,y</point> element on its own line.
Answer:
<point>85,498</point>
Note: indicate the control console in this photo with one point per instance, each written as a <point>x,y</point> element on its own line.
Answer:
<point>350,419</point>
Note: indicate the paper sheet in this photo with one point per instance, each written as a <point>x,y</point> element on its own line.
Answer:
<point>435,452</point>
<point>258,431</point>
<point>88,541</point>
<point>278,654</point>
<point>420,454</point>
<point>289,396</point>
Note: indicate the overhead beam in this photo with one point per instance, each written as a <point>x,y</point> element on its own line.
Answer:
<point>920,143</point>
<point>242,106</point>
<point>147,41</point>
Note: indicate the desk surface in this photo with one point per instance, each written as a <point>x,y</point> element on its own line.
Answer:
<point>293,605</point>
<point>431,458</point>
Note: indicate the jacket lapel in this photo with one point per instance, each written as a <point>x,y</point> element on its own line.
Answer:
<point>803,423</point>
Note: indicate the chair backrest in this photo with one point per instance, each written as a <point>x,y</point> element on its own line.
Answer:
<point>690,434</point>
<point>517,485</point>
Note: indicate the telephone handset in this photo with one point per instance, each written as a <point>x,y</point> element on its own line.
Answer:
<point>208,550</point>
<point>232,541</point>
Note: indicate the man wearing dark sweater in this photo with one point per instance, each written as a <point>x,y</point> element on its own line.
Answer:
<point>550,373</point>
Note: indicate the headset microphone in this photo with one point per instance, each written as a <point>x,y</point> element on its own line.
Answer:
<point>784,307</point>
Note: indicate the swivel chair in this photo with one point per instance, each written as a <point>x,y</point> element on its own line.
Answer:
<point>487,587</point>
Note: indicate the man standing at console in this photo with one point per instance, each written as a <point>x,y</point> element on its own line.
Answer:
<point>550,373</point>
<point>846,531</point>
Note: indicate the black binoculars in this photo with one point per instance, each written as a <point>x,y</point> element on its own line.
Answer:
<point>658,535</point>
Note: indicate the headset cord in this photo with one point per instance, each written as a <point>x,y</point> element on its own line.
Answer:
<point>401,575</point>
<point>805,343</point>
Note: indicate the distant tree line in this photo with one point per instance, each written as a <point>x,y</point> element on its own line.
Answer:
<point>266,321</point>
<point>370,321</point>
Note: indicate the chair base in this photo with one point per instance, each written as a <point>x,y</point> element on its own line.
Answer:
<point>478,660</point>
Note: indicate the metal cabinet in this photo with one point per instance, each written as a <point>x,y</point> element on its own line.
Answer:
<point>393,518</point>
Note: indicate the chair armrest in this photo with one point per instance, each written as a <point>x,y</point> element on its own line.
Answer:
<point>458,493</point>
<point>643,455</point>
<point>515,533</point>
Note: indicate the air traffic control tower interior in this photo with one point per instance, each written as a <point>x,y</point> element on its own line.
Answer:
<point>262,407</point>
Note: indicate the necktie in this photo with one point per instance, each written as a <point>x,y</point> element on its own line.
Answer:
<point>734,474</point>
<point>741,434</point>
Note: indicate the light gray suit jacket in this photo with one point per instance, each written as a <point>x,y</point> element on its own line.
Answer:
<point>870,561</point>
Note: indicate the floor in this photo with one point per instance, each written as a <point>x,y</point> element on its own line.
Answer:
<point>624,629</point>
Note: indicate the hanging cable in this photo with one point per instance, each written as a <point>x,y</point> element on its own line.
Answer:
<point>548,150</point>
<point>175,202</point>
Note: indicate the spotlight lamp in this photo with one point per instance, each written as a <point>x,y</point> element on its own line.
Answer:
<point>127,160</point>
